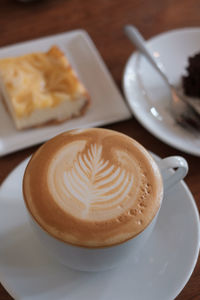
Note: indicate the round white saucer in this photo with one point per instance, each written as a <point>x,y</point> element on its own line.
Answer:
<point>148,95</point>
<point>159,272</point>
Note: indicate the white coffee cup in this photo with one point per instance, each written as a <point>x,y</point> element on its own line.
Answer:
<point>98,259</point>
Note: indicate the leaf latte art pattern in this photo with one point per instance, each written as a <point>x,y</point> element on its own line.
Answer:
<point>97,183</point>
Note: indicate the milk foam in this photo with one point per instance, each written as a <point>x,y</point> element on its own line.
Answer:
<point>90,180</point>
<point>92,187</point>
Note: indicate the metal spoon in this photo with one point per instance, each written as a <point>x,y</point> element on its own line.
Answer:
<point>183,113</point>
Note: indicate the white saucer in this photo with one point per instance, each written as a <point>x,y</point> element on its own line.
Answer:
<point>148,95</point>
<point>107,104</point>
<point>160,271</point>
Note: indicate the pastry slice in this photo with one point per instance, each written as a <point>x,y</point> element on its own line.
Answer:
<point>41,88</point>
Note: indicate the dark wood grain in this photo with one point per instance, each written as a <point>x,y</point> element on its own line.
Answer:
<point>104,21</point>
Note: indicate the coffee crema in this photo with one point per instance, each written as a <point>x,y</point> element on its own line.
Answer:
<point>92,187</point>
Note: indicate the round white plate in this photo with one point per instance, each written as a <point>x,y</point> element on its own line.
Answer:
<point>148,95</point>
<point>159,272</point>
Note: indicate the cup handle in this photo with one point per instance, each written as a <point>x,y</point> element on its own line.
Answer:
<point>174,162</point>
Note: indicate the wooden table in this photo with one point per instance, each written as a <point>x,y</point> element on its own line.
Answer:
<point>104,21</point>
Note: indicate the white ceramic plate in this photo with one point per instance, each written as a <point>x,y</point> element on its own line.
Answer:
<point>148,95</point>
<point>107,105</point>
<point>159,272</point>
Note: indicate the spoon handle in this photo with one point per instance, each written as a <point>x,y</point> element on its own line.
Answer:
<point>136,38</point>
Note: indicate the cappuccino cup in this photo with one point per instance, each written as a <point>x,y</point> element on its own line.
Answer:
<point>93,196</point>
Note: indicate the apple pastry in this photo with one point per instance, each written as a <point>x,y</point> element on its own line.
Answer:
<point>41,88</point>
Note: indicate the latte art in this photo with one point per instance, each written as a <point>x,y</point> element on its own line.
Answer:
<point>94,182</point>
<point>92,187</point>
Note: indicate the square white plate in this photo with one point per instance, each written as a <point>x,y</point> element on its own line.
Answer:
<point>107,104</point>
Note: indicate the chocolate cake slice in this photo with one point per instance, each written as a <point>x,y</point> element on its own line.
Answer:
<point>191,81</point>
